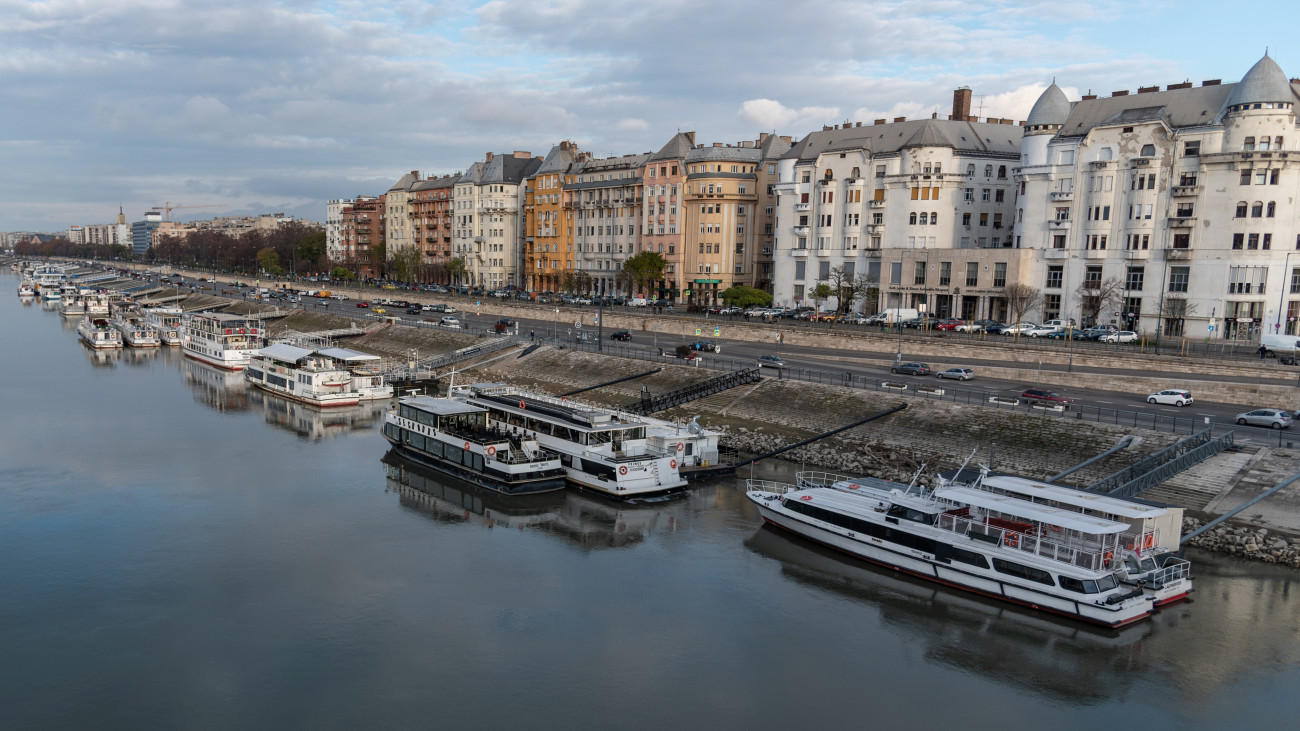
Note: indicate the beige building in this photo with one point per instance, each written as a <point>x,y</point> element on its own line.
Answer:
<point>488,230</point>
<point>398,233</point>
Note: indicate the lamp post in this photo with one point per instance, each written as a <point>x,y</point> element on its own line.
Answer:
<point>555,322</point>
<point>1281,295</point>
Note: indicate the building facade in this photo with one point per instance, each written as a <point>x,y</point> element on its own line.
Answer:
<point>334,228</point>
<point>397,216</point>
<point>142,232</point>
<point>487,235</point>
<point>602,199</point>
<point>662,219</point>
<point>720,204</point>
<point>362,229</point>
<point>430,206</point>
<point>548,227</point>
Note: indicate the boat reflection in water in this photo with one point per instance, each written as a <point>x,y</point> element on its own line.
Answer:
<point>140,356</point>
<point>588,522</point>
<point>1051,656</point>
<point>314,423</point>
<point>101,357</point>
<point>219,389</point>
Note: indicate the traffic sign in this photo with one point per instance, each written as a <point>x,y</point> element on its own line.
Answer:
<point>697,332</point>
<point>717,331</point>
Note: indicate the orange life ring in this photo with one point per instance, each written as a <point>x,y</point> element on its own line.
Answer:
<point>1056,528</point>
<point>681,446</point>
<point>466,446</point>
<point>1011,539</point>
<point>491,451</point>
<point>521,404</point>
<point>1149,541</point>
<point>622,469</point>
<point>1110,555</point>
<point>672,463</point>
<point>805,497</point>
<point>854,487</point>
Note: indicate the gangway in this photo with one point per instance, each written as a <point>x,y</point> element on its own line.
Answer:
<point>1155,469</point>
<point>650,404</point>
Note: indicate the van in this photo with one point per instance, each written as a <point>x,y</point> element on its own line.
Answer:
<point>1286,345</point>
<point>1060,324</point>
<point>900,314</point>
<point>637,302</point>
<point>323,293</point>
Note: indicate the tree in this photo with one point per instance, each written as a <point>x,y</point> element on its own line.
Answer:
<point>848,288</point>
<point>343,273</point>
<point>456,269</point>
<point>406,264</point>
<point>645,269</point>
<point>1096,296</point>
<point>1021,300</point>
<point>269,261</point>
<point>310,249</point>
<point>1173,312</point>
<point>623,281</point>
<point>742,296</point>
<point>820,293</point>
<point>867,289</point>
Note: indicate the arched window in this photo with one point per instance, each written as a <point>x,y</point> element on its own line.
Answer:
<point>926,168</point>
<point>934,218</point>
<point>1148,150</point>
<point>1277,144</point>
<point>938,167</point>
<point>1106,154</point>
<point>1002,172</point>
<point>1248,144</point>
<point>1264,142</point>
<point>911,219</point>
<point>856,173</point>
<point>1256,209</point>
<point>1241,209</point>
<point>1272,209</point>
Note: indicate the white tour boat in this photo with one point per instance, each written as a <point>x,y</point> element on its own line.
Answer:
<point>1036,555</point>
<point>316,377</point>
<point>602,449</point>
<point>135,331</point>
<point>166,322</point>
<point>27,289</point>
<point>96,303</point>
<point>464,440</point>
<point>220,339</point>
<point>73,303</point>
<point>98,332</point>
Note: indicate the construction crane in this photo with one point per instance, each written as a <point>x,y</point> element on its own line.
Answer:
<point>168,208</point>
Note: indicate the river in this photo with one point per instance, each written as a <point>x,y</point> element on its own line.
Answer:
<point>180,550</point>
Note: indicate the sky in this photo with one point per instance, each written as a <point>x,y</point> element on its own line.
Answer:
<point>263,106</point>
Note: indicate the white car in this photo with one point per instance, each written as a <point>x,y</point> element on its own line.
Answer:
<point>1041,331</point>
<point>449,321</point>
<point>339,297</point>
<point>1175,396</point>
<point>1021,328</point>
<point>1123,336</point>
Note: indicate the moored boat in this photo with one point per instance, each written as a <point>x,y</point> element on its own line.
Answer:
<point>98,332</point>
<point>135,332</point>
<point>166,322</point>
<point>27,289</point>
<point>220,339</point>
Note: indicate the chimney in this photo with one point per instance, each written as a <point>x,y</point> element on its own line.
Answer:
<point>879,121</point>
<point>857,124</point>
<point>900,119</point>
<point>1184,85</point>
<point>1088,97</point>
<point>690,136</point>
<point>522,154</point>
<point>717,144</point>
<point>1212,82</point>
<point>1148,89</point>
<point>934,115</point>
<point>488,158</point>
<point>827,128</point>
<point>787,139</point>
<point>1119,93</point>
<point>961,103</point>
<point>1004,120</point>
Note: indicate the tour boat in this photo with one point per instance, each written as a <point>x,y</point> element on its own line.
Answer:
<point>1048,558</point>
<point>602,449</point>
<point>465,441</point>
<point>27,289</point>
<point>166,322</point>
<point>135,331</point>
<point>220,339</point>
<point>316,377</point>
<point>98,332</point>
<point>72,304</point>
<point>96,303</point>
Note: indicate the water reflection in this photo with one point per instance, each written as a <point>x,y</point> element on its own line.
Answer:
<point>1066,660</point>
<point>102,357</point>
<point>219,389</point>
<point>589,522</point>
<point>313,423</point>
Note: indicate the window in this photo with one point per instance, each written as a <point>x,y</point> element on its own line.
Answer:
<point>1252,241</point>
<point>1000,274</point>
<point>1272,177</point>
<point>972,274</point>
<point>1257,210</point>
<point>1241,209</point>
<point>1136,275</point>
<point>1267,242</point>
<point>880,171</point>
<point>800,268</point>
<point>1055,274</point>
<point>1178,277</point>
<point>984,194</point>
<point>895,272</point>
<point>1192,148</point>
<point>1245,177</point>
<point>1092,277</point>
<point>965,219</point>
<point>1021,571</point>
<point>1051,306</point>
<point>919,277</point>
<point>1058,241</point>
<point>988,171</point>
<point>911,219</point>
<point>945,273</point>
<point>999,196</point>
<point>1148,150</point>
<point>1181,241</point>
<point>1271,209</point>
<point>1238,241</point>
<point>1248,144</point>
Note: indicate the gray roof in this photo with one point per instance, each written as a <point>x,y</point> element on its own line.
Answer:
<point>1191,107</point>
<point>677,147</point>
<point>445,181</point>
<point>284,352</point>
<point>725,154</point>
<point>441,406</point>
<point>600,164</point>
<point>474,174</point>
<point>883,139</point>
<point>347,354</point>
<point>774,147</point>
<point>1264,82</point>
<point>1052,107</point>
<point>507,169</point>
<point>406,182</point>
<point>558,159</point>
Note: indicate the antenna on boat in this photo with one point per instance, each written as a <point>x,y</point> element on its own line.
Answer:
<point>915,477</point>
<point>961,470</point>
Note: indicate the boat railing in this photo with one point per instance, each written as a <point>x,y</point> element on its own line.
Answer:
<point>780,488</point>
<point>1174,568</point>
<point>1063,546</point>
<point>1143,543</point>
<point>820,479</point>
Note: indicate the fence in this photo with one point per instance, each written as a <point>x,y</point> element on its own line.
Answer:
<point>1187,459</point>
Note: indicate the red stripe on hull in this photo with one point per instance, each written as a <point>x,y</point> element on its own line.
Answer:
<point>1173,599</point>
<point>963,587</point>
<point>215,364</point>
<point>301,400</point>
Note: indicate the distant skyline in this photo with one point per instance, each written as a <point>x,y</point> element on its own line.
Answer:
<point>279,106</point>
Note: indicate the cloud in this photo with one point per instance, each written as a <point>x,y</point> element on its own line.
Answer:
<point>769,114</point>
<point>630,124</point>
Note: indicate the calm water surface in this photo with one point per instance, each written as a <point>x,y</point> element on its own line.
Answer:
<point>178,550</point>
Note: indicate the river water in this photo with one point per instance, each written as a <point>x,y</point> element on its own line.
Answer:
<point>179,550</point>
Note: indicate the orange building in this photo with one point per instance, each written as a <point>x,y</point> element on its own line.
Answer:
<point>548,232</point>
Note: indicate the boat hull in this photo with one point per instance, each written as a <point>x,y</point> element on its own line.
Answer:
<point>531,487</point>
<point>227,365</point>
<point>349,400</point>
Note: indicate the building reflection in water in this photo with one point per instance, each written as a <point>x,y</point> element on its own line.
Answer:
<point>588,522</point>
<point>313,423</point>
<point>1058,658</point>
<point>218,389</point>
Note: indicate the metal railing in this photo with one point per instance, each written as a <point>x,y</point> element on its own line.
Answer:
<point>1148,480</point>
<point>1145,465</point>
<point>780,488</point>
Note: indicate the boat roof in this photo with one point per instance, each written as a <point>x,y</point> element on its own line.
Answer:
<point>865,503</point>
<point>1037,512</point>
<point>222,316</point>
<point>1069,496</point>
<point>347,355</point>
<point>442,406</point>
<point>284,352</point>
<point>583,417</point>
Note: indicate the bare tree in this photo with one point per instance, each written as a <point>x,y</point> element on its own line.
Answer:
<point>1021,300</point>
<point>867,289</point>
<point>1096,296</point>
<point>1173,313</point>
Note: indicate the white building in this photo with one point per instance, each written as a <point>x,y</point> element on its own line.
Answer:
<point>334,243</point>
<point>1170,209</point>
<point>488,230</point>
<point>397,223</point>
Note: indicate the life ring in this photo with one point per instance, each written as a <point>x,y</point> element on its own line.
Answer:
<point>805,497</point>
<point>854,487</point>
<point>622,469</point>
<point>241,331</point>
<point>491,451</point>
<point>681,446</point>
<point>1056,528</point>
<point>1149,541</point>
<point>1011,539</point>
<point>1110,555</point>
<point>672,463</point>
<point>521,404</point>
<point>466,446</point>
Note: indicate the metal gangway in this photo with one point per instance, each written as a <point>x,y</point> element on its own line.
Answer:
<point>650,404</point>
<point>1155,469</point>
<point>423,368</point>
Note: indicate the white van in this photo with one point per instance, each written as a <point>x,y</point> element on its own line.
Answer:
<point>1285,345</point>
<point>900,314</point>
<point>637,302</point>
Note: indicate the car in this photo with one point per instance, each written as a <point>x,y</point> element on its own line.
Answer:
<point>620,335</point>
<point>380,311</point>
<point>449,321</point>
<point>1098,332</point>
<point>1038,394</point>
<point>707,346</point>
<point>1020,328</point>
<point>771,361</point>
<point>911,369</point>
<point>961,374</point>
<point>1121,336</point>
<point>1175,396</point>
<point>503,325</point>
<point>1275,418</point>
<point>732,310</point>
<point>950,323</point>
<point>363,304</point>
<point>1041,331</point>
<point>1066,335</point>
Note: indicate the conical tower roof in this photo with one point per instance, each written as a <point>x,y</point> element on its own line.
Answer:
<point>1052,108</point>
<point>1264,82</point>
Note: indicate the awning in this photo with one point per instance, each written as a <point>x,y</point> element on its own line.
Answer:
<point>1069,496</point>
<point>284,352</point>
<point>1017,508</point>
<point>350,356</point>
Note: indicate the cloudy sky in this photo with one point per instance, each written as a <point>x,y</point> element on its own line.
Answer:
<point>266,105</point>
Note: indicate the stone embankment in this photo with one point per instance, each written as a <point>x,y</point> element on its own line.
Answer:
<point>1259,544</point>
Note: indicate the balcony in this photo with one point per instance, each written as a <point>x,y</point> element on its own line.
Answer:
<point>1061,196</point>
<point>871,253</point>
<point>1061,225</point>
<point>1056,254</point>
<point>1140,162</point>
<point>802,206</point>
<point>799,252</point>
<point>1185,191</point>
<point>1181,221</point>
<point>1178,254</point>
<point>801,230</point>
<point>479,239</point>
<point>876,204</point>
<point>875,228</point>
<point>767,252</point>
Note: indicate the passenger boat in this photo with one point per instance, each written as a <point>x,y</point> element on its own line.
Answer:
<point>27,289</point>
<point>465,441</point>
<point>166,322</point>
<point>98,332</point>
<point>220,339</point>
<point>135,331</point>
<point>315,377</point>
<point>96,303</point>
<point>602,449</point>
<point>72,304</point>
<point>1044,557</point>
<point>1148,555</point>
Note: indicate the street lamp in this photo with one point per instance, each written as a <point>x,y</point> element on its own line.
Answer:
<point>555,323</point>
<point>1281,295</point>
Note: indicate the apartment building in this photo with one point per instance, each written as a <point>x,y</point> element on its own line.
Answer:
<point>662,221</point>
<point>773,148</point>
<point>430,205</point>
<point>334,228</point>
<point>486,233</point>
<point>362,230</point>
<point>720,206</point>
<point>397,215</point>
<point>602,203</point>
<point>548,231</point>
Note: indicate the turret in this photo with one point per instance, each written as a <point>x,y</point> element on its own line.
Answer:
<point>1045,120</point>
<point>1259,109</point>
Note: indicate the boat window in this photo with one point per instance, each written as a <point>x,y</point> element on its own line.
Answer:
<point>1078,586</point>
<point>426,418</point>
<point>1148,564</point>
<point>478,462</point>
<point>417,441</point>
<point>433,446</point>
<point>1107,582</point>
<point>969,557</point>
<point>1011,568</point>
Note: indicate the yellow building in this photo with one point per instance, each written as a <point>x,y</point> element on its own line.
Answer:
<point>548,236</point>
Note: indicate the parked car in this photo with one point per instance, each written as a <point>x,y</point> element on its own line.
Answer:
<point>961,374</point>
<point>1275,418</point>
<point>911,369</point>
<point>1040,331</point>
<point>950,323</point>
<point>414,310</point>
<point>363,304</point>
<point>771,361</point>
<point>1020,328</point>
<point>1122,336</point>
<point>620,335</point>
<point>1175,396</point>
<point>503,325</point>
<point>1038,394</point>
<point>380,311</point>
<point>707,346</point>
<point>449,321</point>
<point>733,310</point>
<point>1098,332</point>
<point>1067,335</point>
